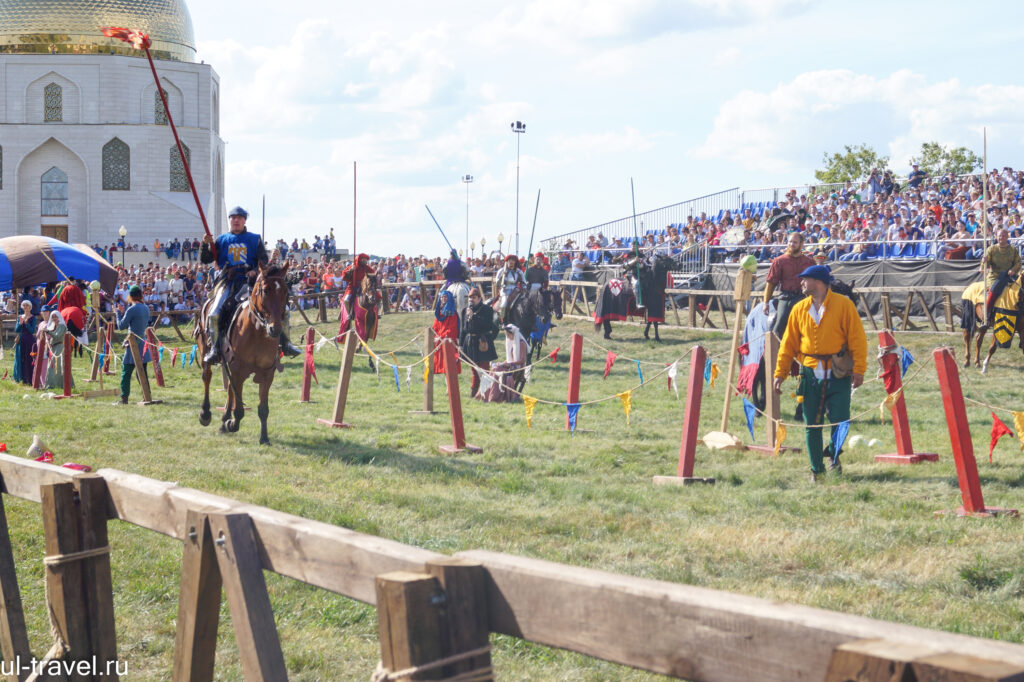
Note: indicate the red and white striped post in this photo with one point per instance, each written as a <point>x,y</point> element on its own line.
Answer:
<point>691,424</point>
<point>307,373</point>
<point>892,376</point>
<point>451,379</point>
<point>575,364</point>
<point>154,357</point>
<point>960,439</point>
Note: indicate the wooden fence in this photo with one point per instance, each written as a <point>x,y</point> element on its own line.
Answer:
<point>433,607</point>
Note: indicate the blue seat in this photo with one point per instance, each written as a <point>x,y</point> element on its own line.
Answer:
<point>924,250</point>
<point>593,256</point>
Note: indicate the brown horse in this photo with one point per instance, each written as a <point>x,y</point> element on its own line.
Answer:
<point>252,348</point>
<point>365,311</point>
<point>975,328</point>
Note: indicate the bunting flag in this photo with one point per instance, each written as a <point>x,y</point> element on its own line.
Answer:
<point>184,360</point>
<point>906,360</point>
<point>554,354</point>
<point>408,375</point>
<point>394,360</point>
<point>609,360</point>
<point>999,429</point>
<point>528,403</point>
<point>780,437</point>
<point>839,434</point>
<point>1018,423</point>
<point>103,356</point>
<point>707,371</point>
<point>398,384</point>
<point>743,350</point>
<point>888,403</point>
<point>486,381</point>
<point>714,374</point>
<point>426,369</point>
<point>573,410</point>
<point>627,403</point>
<point>160,354</point>
<point>673,370</point>
<point>640,372</point>
<point>192,355</point>
<point>310,364</point>
<point>145,347</point>
<point>750,411</point>
<point>321,343</point>
<point>174,356</point>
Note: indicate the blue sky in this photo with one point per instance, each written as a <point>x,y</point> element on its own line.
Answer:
<point>688,97</point>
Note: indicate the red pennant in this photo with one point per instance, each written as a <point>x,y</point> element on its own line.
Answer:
<point>999,429</point>
<point>743,350</point>
<point>45,458</point>
<point>145,347</point>
<point>608,362</point>
<point>554,354</point>
<point>310,365</point>
<point>174,354</point>
<point>77,467</point>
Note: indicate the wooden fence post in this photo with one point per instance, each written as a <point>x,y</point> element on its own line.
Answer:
<point>451,380</point>
<point>195,642</point>
<point>428,385</point>
<point>13,634</point>
<point>344,375</point>
<point>691,424</point>
<point>99,590</point>
<point>323,307</point>
<point>744,280</point>
<point>409,622</point>
<point>464,626</point>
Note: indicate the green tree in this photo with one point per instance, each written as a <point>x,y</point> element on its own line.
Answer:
<point>855,163</point>
<point>938,160</point>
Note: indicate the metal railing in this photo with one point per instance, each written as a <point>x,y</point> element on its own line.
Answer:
<point>842,251</point>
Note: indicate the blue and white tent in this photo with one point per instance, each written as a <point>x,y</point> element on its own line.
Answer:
<point>29,261</point>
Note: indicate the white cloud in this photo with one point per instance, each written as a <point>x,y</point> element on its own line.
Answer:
<point>786,130</point>
<point>592,144</point>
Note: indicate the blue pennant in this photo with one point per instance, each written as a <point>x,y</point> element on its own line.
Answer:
<point>103,356</point>
<point>750,411</point>
<point>640,372</point>
<point>398,385</point>
<point>906,360</point>
<point>707,371</point>
<point>839,437</point>
<point>192,355</point>
<point>572,409</point>
<point>160,354</point>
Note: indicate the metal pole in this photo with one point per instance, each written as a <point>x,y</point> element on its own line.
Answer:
<point>263,225</point>
<point>517,193</point>
<point>354,252</point>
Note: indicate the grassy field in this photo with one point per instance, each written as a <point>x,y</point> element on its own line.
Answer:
<point>864,543</point>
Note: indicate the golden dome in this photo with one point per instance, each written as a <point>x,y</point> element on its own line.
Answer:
<point>73,27</point>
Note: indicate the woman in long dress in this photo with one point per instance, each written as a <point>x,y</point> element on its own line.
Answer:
<point>55,330</point>
<point>478,333</point>
<point>25,329</point>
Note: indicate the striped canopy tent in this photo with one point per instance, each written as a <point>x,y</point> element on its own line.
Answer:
<point>28,261</point>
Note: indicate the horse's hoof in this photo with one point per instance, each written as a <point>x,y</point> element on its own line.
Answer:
<point>205,418</point>
<point>223,427</point>
<point>233,425</point>
<point>264,441</point>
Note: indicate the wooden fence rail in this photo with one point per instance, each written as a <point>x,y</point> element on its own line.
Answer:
<point>689,632</point>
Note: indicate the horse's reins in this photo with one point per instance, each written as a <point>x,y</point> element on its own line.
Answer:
<point>259,319</point>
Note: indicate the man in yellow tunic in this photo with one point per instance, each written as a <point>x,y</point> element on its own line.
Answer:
<point>825,334</point>
<point>1000,264</point>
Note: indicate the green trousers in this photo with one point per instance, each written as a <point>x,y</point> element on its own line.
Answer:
<point>836,410</point>
<point>126,378</point>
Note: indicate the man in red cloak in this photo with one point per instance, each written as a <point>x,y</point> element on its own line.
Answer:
<point>353,276</point>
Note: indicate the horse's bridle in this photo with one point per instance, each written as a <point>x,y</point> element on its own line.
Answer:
<point>259,319</point>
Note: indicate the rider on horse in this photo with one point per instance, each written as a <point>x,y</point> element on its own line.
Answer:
<point>353,276</point>
<point>537,274</point>
<point>508,282</point>
<point>1001,263</point>
<point>455,270</point>
<point>237,253</point>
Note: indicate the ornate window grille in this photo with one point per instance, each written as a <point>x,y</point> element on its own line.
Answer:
<point>117,165</point>
<point>179,181</point>
<point>54,193</point>
<point>159,112</point>
<point>53,103</point>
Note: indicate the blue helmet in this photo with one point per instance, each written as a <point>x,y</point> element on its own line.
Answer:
<point>238,210</point>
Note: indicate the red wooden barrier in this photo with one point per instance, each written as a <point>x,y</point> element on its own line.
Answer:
<point>575,362</point>
<point>451,379</point>
<point>892,376</point>
<point>307,375</point>
<point>691,423</point>
<point>154,354</point>
<point>960,439</point>
<point>69,342</point>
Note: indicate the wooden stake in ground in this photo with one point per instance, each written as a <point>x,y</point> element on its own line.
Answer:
<point>744,281</point>
<point>428,385</point>
<point>344,375</point>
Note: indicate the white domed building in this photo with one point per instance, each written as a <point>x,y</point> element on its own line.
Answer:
<point>84,142</point>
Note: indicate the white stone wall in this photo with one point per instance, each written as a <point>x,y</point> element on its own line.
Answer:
<point>107,96</point>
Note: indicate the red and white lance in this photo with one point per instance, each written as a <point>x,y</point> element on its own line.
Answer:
<point>141,41</point>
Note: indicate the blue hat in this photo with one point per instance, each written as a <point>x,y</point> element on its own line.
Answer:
<point>819,272</point>
<point>238,210</point>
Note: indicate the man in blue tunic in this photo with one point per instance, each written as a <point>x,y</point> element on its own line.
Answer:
<point>135,319</point>
<point>237,253</point>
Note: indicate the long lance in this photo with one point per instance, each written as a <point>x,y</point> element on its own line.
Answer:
<point>636,249</point>
<point>529,251</point>
<point>140,41</point>
<point>450,247</point>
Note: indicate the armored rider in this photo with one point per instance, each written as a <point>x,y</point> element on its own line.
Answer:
<point>353,276</point>
<point>507,281</point>
<point>455,270</point>
<point>236,252</point>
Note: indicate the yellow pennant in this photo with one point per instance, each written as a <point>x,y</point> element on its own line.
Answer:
<point>888,403</point>
<point>394,360</point>
<point>426,369</point>
<point>627,403</point>
<point>780,437</point>
<point>529,403</point>
<point>714,374</point>
<point>1018,423</point>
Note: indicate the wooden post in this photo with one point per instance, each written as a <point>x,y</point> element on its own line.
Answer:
<point>464,625</point>
<point>303,313</point>
<point>772,405</point>
<point>323,307</point>
<point>252,616</point>
<point>140,371</point>
<point>867,311</point>
<point>691,423</point>
<point>409,622</point>
<point>99,591</point>
<point>344,375</point>
<point>886,311</point>
<point>880,659</point>
<point>94,371</point>
<point>13,634</point>
<point>177,329</point>
<point>307,375</point>
<point>195,641</point>
<point>428,385</point>
<point>927,311</point>
<point>960,438</point>
<point>901,425</point>
<point>947,307</point>
<point>575,364</point>
<point>154,349</point>
<point>692,310</point>
<point>110,348</point>
<point>69,341</point>
<point>741,293</point>
<point>451,380</point>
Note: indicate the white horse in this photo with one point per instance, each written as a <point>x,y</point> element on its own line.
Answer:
<point>459,291</point>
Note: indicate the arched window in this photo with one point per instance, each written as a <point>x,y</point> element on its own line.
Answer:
<point>179,181</point>
<point>117,165</point>
<point>55,193</point>
<point>53,103</point>
<point>159,112</point>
